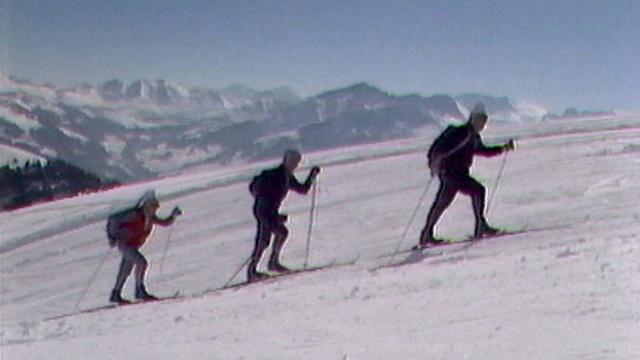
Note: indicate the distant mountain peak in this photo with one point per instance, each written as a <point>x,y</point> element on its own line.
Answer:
<point>363,86</point>
<point>360,88</point>
<point>241,90</point>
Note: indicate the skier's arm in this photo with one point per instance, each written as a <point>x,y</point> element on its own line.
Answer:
<point>488,151</point>
<point>168,220</point>
<point>296,186</point>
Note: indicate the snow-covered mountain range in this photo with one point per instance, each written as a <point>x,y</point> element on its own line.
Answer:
<point>140,129</point>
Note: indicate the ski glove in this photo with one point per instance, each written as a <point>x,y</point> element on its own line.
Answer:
<point>510,146</point>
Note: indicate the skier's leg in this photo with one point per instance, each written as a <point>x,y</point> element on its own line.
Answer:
<point>134,257</point>
<point>263,237</point>
<point>142,265</point>
<point>123,273</point>
<point>280,237</point>
<point>478,194</point>
<point>446,193</point>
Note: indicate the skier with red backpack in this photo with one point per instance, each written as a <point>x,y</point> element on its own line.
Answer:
<point>129,230</point>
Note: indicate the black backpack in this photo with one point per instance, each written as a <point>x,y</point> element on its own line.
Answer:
<point>256,184</point>
<point>265,183</point>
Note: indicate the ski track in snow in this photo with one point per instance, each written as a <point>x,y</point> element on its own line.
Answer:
<point>567,291</point>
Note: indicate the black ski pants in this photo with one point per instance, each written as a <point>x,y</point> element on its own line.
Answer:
<point>450,185</point>
<point>269,223</point>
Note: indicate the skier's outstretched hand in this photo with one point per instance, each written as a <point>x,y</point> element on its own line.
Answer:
<point>176,211</point>
<point>510,146</point>
<point>315,171</point>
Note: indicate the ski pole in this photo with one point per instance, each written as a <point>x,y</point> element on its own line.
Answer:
<point>495,185</point>
<point>406,229</point>
<point>93,277</point>
<point>176,211</point>
<point>166,250</point>
<point>245,263</point>
<point>311,220</point>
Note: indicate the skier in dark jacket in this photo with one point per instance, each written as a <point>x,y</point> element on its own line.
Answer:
<point>129,233</point>
<point>270,189</point>
<point>450,158</point>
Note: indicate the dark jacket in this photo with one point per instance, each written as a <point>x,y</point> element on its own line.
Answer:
<point>271,187</point>
<point>455,148</point>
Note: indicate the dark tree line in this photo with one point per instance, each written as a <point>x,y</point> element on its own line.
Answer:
<point>35,182</point>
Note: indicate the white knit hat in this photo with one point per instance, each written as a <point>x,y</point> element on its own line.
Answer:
<point>478,109</point>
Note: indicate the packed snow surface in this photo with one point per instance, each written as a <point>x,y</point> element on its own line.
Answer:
<point>567,289</point>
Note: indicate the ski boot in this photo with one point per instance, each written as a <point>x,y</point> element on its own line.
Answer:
<point>484,230</point>
<point>427,239</point>
<point>142,294</point>
<point>117,298</point>
<point>256,276</point>
<point>276,266</point>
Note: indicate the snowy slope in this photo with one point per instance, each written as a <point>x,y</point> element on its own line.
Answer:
<point>569,291</point>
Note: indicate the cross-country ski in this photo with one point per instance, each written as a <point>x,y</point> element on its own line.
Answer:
<point>124,303</point>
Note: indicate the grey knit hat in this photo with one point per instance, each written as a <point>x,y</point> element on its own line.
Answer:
<point>148,197</point>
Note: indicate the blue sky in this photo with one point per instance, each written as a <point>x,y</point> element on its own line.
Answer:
<point>556,53</point>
